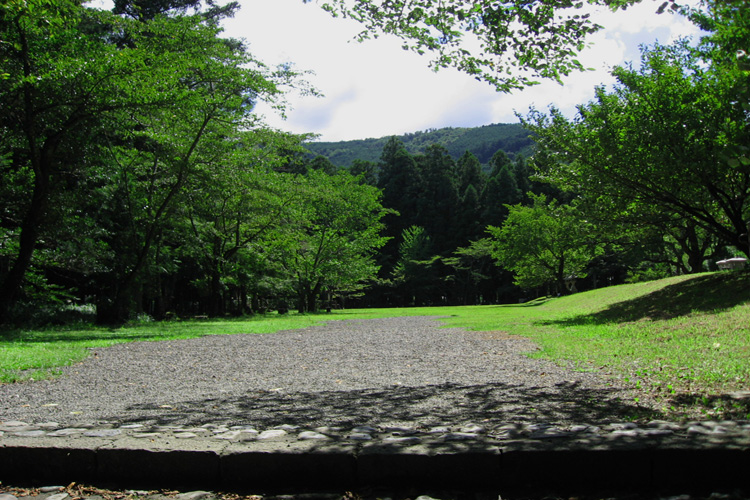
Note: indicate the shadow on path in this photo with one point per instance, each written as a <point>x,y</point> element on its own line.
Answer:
<point>493,403</point>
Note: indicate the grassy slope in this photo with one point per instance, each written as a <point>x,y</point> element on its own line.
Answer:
<point>684,339</point>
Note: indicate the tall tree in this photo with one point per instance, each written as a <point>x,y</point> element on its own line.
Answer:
<point>367,170</point>
<point>401,183</point>
<point>75,74</point>
<point>469,225</point>
<point>474,269</point>
<point>438,205</point>
<point>62,79</point>
<point>470,173</point>
<point>501,190</point>
<point>230,205</point>
<point>414,274</point>
<point>471,182</point>
<point>327,240</point>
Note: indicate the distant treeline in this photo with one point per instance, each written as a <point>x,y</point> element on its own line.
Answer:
<point>482,142</point>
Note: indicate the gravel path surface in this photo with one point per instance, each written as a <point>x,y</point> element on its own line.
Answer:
<point>374,372</point>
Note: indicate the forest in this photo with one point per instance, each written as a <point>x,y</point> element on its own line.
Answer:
<point>482,142</point>
<point>137,182</point>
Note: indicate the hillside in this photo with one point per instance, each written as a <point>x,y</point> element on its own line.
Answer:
<point>482,141</point>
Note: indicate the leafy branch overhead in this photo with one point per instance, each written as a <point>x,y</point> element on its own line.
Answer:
<point>508,44</point>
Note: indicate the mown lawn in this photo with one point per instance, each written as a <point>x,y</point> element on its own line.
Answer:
<point>683,340</point>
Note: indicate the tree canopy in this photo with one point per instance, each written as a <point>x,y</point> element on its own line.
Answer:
<point>507,44</point>
<point>545,243</point>
<point>667,136</point>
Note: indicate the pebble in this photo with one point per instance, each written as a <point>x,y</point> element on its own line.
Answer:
<point>472,429</point>
<point>194,495</point>
<point>549,433</point>
<point>365,429</point>
<point>146,435</point>
<point>185,435</point>
<point>103,433</point>
<point>387,434</point>
<point>272,434</point>
<point>440,429</point>
<point>50,489</point>
<point>402,439</point>
<point>29,433</point>
<point>311,435</point>
<point>625,432</point>
<point>460,436</point>
<point>65,432</point>
<point>360,436</point>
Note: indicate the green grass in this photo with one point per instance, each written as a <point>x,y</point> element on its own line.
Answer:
<point>684,341</point>
<point>38,354</point>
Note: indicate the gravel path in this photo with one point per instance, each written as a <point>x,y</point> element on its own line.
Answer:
<point>374,372</point>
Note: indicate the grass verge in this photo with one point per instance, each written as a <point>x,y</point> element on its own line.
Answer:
<point>38,354</point>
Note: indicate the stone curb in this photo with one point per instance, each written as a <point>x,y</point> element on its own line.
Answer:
<point>511,456</point>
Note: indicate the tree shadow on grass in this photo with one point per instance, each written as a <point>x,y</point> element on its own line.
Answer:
<point>707,293</point>
<point>730,406</point>
<point>413,406</point>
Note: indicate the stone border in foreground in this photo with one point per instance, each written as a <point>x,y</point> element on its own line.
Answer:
<point>657,455</point>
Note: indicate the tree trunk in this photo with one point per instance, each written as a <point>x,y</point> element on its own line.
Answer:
<point>216,299</point>
<point>116,310</point>
<point>312,298</point>
<point>10,288</point>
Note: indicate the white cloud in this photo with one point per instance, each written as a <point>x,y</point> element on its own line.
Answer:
<point>376,89</point>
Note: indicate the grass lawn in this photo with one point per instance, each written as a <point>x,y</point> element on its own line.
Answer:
<point>683,340</point>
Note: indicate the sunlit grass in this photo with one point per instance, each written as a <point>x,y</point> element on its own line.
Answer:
<point>680,340</point>
<point>36,354</point>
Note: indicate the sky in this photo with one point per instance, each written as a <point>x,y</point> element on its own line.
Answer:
<point>377,89</point>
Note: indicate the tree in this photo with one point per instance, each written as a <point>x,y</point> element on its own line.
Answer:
<point>474,268</point>
<point>230,205</point>
<point>61,80</point>
<point>322,164</point>
<point>413,275</point>
<point>669,135</point>
<point>327,239</point>
<point>507,44</point>
<point>501,190</point>
<point>544,243</point>
<point>470,174</point>
<point>81,97</point>
<point>438,205</point>
<point>367,170</point>
<point>468,225</point>
<point>471,181</point>
<point>401,183</point>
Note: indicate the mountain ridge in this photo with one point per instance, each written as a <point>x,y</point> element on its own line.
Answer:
<point>483,142</point>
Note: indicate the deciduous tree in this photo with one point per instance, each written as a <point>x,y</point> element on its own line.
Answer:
<point>326,241</point>
<point>670,135</point>
<point>544,243</point>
